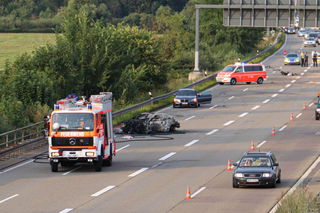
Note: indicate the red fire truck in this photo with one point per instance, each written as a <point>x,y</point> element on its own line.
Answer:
<point>81,131</point>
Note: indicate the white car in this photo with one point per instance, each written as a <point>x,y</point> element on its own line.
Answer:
<point>310,42</point>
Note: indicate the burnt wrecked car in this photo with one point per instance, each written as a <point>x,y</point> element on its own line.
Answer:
<point>151,122</point>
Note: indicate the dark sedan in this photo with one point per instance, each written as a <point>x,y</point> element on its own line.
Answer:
<point>190,98</point>
<point>257,169</point>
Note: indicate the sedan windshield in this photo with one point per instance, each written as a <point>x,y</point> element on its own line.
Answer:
<point>186,93</point>
<point>292,55</point>
<point>72,122</point>
<point>255,162</point>
<point>229,68</point>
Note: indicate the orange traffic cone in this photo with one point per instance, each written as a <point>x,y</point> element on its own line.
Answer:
<point>229,166</point>
<point>188,195</point>
<point>252,148</point>
<point>273,132</point>
<point>304,105</point>
<point>291,116</point>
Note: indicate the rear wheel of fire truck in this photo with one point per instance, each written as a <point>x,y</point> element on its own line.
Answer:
<point>54,167</point>
<point>108,161</point>
<point>98,164</point>
<point>260,80</point>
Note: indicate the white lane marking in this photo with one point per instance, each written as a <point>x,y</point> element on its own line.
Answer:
<point>288,85</point>
<point>301,180</point>
<point>156,165</point>
<point>168,156</point>
<point>72,170</point>
<point>197,192</point>
<point>161,110</point>
<point>280,67</point>
<point>126,146</point>
<point>308,67</point>
<point>302,73</point>
<point>274,72</point>
<point>189,118</point>
<point>305,70</point>
<point>260,144</point>
<point>274,95</point>
<point>243,114</point>
<point>17,166</point>
<point>108,188</point>
<point>310,104</point>
<point>266,101</point>
<point>298,115</point>
<point>66,210</point>
<point>8,198</point>
<point>138,172</point>
<point>281,90</point>
<point>245,89</point>
<point>282,128</point>
<point>191,143</point>
<point>213,131</point>
<point>228,123</point>
<point>293,81</point>
<point>255,107</point>
<point>231,98</point>
<point>213,106</point>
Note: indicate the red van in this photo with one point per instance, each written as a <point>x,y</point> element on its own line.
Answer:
<point>242,73</point>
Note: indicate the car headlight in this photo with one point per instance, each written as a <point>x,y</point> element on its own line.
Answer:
<point>238,175</point>
<point>54,154</point>
<point>266,175</point>
<point>177,101</point>
<point>297,60</point>
<point>286,60</point>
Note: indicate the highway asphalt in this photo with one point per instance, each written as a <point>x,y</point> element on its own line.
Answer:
<point>151,174</point>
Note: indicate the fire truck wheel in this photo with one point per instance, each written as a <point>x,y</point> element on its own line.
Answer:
<point>54,167</point>
<point>98,164</point>
<point>108,161</point>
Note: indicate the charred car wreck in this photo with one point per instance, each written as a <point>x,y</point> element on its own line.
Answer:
<point>146,123</point>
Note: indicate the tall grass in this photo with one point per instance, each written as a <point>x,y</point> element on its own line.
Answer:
<point>300,201</point>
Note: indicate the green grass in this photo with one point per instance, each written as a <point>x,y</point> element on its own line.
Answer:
<point>15,44</point>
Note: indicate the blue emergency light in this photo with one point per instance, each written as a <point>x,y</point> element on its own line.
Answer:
<point>56,107</point>
<point>89,106</point>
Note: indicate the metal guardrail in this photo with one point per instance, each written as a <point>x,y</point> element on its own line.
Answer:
<point>21,137</point>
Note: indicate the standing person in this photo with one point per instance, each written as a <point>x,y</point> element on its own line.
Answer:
<point>302,58</point>
<point>315,58</point>
<point>306,59</point>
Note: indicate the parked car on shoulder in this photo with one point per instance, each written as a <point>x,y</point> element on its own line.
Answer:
<point>257,169</point>
<point>191,98</point>
<point>237,73</point>
<point>292,59</point>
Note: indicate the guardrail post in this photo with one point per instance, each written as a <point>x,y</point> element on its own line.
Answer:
<point>15,138</point>
<point>7,140</point>
<point>22,136</point>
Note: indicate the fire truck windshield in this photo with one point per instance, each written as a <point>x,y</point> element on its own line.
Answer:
<point>72,122</point>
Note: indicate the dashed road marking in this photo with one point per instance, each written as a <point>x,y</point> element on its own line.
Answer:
<point>274,95</point>
<point>189,118</point>
<point>281,90</point>
<point>17,166</point>
<point>191,143</point>
<point>228,123</point>
<point>245,89</point>
<point>126,146</point>
<point>213,106</point>
<point>282,128</point>
<point>260,144</point>
<point>72,170</point>
<point>230,98</point>
<point>298,115</point>
<point>108,188</point>
<point>8,198</point>
<point>213,131</point>
<point>302,73</point>
<point>310,104</point>
<point>305,70</point>
<point>266,101</point>
<point>66,210</point>
<point>293,81</point>
<point>288,85</point>
<point>255,107</point>
<point>168,156</point>
<point>138,172</point>
<point>198,191</point>
<point>243,114</point>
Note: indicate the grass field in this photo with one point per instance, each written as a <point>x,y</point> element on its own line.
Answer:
<point>14,44</point>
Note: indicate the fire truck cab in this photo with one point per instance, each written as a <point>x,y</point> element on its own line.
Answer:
<point>81,131</point>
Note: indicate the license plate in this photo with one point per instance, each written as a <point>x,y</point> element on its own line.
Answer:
<point>184,103</point>
<point>252,180</point>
